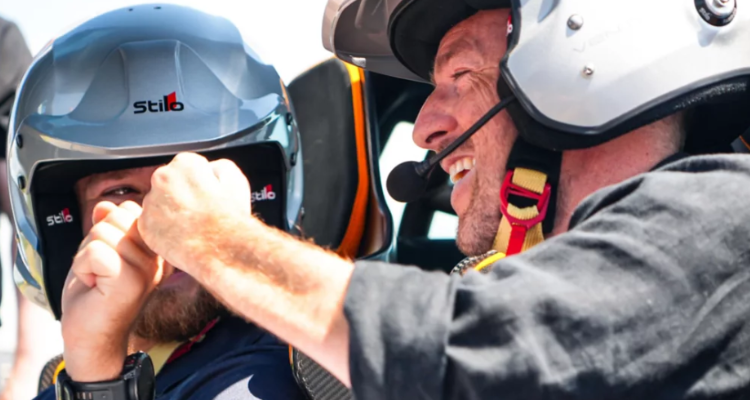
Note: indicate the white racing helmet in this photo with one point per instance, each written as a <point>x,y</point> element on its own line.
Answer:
<point>130,88</point>
<point>583,71</point>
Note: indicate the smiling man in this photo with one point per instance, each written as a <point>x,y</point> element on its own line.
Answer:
<point>640,289</point>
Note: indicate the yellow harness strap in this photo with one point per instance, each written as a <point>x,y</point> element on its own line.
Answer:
<point>59,368</point>
<point>159,356</point>
<point>509,240</point>
<point>488,261</point>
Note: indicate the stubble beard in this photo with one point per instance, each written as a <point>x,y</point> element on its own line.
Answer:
<point>478,226</point>
<point>171,315</point>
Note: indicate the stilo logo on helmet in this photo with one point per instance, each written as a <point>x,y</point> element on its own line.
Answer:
<point>266,194</point>
<point>63,217</point>
<point>167,103</point>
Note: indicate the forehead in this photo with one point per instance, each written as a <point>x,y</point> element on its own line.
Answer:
<point>484,33</point>
<point>141,173</point>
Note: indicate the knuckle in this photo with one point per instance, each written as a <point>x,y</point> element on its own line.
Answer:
<point>94,250</point>
<point>225,163</point>
<point>98,249</point>
<point>189,158</point>
<point>131,208</point>
<point>160,175</point>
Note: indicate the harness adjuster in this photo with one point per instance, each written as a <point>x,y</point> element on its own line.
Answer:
<point>521,226</point>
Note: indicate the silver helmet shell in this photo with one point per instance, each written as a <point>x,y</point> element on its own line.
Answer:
<point>132,85</point>
<point>583,71</point>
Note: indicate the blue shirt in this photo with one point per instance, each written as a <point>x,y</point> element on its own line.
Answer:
<point>235,360</point>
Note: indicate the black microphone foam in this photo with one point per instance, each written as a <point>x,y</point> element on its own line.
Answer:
<point>405,184</point>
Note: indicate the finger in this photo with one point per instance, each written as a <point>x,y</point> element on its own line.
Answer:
<point>101,264</point>
<point>133,207</point>
<point>122,217</point>
<point>228,174</point>
<point>129,249</point>
<point>184,167</point>
<point>97,259</point>
<point>101,210</point>
<point>187,158</point>
<point>231,178</point>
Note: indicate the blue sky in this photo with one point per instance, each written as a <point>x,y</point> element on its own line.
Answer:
<point>286,33</point>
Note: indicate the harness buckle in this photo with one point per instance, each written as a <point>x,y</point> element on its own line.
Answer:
<point>509,188</point>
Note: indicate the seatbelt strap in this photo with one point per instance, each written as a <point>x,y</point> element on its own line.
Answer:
<point>521,227</point>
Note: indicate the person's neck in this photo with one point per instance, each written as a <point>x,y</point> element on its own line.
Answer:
<point>585,171</point>
<point>136,343</point>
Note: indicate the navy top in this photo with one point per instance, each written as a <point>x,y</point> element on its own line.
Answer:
<point>236,360</point>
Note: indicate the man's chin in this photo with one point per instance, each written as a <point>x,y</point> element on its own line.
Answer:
<point>477,231</point>
<point>471,244</point>
<point>175,315</point>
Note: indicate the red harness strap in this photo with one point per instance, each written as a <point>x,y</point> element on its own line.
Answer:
<point>185,347</point>
<point>520,228</point>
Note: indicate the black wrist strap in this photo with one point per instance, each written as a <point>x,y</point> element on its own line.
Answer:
<point>107,390</point>
<point>136,382</point>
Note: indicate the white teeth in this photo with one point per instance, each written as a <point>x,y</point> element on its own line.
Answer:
<point>464,164</point>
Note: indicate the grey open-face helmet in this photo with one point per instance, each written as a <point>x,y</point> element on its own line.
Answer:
<point>133,87</point>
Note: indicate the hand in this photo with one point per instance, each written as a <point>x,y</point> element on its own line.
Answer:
<point>190,203</point>
<point>111,278</point>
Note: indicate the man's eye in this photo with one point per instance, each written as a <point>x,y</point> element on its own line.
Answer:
<point>121,191</point>
<point>459,74</point>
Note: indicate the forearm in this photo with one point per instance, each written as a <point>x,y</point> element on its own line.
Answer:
<point>293,289</point>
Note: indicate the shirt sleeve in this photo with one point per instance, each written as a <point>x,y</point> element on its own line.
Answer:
<point>647,296</point>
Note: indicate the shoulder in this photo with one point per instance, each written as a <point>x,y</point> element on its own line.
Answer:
<point>693,188</point>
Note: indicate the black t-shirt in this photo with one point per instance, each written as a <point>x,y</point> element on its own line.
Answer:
<point>646,297</point>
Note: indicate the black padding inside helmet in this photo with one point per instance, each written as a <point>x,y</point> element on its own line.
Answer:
<point>417,27</point>
<point>53,192</point>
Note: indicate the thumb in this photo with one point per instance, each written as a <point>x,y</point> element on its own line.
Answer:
<point>101,210</point>
<point>231,179</point>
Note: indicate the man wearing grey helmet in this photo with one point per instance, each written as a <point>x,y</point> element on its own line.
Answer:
<point>609,233</point>
<point>98,111</point>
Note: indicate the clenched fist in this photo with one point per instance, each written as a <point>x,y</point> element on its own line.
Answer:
<point>112,275</point>
<point>190,202</point>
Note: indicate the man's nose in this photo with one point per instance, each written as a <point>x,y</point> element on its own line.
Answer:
<point>434,123</point>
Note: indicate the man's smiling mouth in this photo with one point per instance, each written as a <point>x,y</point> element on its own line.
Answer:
<point>460,168</point>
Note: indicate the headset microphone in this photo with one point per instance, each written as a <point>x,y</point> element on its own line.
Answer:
<point>408,181</point>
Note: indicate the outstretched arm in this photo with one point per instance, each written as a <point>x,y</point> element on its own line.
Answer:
<point>292,288</point>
